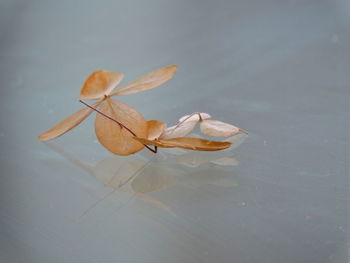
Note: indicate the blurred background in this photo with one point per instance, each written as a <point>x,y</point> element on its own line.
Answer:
<point>279,69</point>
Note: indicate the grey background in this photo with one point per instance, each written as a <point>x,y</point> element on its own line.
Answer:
<point>279,69</point>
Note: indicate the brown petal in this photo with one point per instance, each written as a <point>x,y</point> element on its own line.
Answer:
<point>179,130</point>
<point>195,117</point>
<point>159,143</point>
<point>100,83</point>
<point>188,143</point>
<point>116,139</point>
<point>67,124</point>
<point>155,129</point>
<point>198,144</point>
<point>218,128</point>
<point>148,81</point>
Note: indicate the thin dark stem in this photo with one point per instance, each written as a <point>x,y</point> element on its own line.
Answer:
<point>119,123</point>
<point>155,150</point>
<point>152,150</point>
<point>100,112</point>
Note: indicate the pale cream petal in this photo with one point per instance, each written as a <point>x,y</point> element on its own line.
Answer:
<point>179,130</point>
<point>195,117</point>
<point>218,128</point>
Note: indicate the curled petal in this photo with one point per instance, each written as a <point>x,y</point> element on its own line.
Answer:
<point>195,117</point>
<point>218,128</point>
<point>111,135</point>
<point>155,129</point>
<point>187,143</point>
<point>148,81</point>
<point>100,83</point>
<point>67,124</point>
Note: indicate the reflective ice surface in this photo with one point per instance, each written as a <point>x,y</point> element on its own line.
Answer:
<point>279,69</point>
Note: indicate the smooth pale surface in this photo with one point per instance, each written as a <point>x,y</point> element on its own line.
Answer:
<point>278,69</point>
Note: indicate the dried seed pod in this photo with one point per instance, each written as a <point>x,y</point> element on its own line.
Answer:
<point>122,129</point>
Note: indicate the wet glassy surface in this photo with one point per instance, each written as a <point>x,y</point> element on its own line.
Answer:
<point>279,69</point>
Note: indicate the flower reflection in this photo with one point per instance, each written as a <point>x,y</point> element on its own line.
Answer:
<point>140,175</point>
